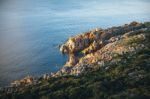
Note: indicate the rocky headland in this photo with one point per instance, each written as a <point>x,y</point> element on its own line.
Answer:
<point>117,55</point>
<point>101,46</point>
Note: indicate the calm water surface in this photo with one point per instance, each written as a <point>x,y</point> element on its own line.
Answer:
<point>31,30</point>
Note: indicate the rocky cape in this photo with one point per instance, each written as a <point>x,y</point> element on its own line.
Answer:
<point>98,50</point>
<point>101,46</point>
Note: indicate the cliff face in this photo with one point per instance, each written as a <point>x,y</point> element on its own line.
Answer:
<point>102,46</point>
<point>121,45</point>
<point>79,42</point>
<point>90,41</point>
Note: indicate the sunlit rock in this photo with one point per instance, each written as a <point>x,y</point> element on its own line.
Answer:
<point>72,60</point>
<point>25,81</point>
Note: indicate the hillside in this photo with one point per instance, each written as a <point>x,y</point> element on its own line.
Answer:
<point>111,63</point>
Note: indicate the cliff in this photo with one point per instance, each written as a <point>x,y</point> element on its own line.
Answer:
<point>104,44</point>
<point>111,63</point>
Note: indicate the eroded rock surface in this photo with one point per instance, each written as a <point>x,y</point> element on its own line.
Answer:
<point>94,39</point>
<point>102,46</point>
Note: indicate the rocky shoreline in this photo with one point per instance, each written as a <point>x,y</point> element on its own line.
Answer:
<point>99,47</point>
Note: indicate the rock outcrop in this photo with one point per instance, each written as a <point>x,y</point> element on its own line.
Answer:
<point>72,60</point>
<point>79,42</point>
<point>25,81</point>
<point>96,38</point>
<point>101,46</point>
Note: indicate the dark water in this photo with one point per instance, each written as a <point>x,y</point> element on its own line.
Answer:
<point>31,30</point>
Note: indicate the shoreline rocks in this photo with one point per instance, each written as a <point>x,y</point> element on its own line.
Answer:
<point>25,81</point>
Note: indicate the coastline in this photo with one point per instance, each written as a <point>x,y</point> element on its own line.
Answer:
<point>88,44</point>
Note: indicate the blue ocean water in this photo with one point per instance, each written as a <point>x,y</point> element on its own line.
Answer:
<point>32,30</point>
